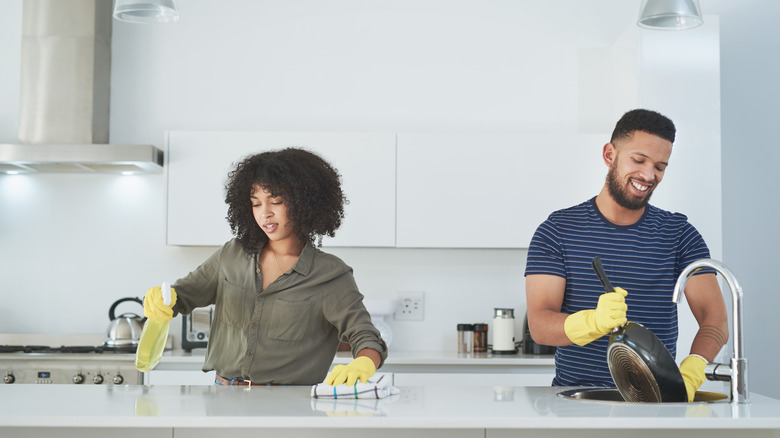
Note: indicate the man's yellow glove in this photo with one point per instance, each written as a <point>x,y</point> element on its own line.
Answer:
<point>154,307</point>
<point>359,369</point>
<point>692,370</point>
<point>586,326</point>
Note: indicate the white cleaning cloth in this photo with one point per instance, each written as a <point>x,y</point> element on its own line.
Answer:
<point>375,387</point>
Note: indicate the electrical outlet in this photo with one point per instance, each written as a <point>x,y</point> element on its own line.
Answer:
<point>409,306</point>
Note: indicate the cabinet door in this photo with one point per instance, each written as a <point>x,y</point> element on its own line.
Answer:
<point>490,189</point>
<point>474,379</point>
<point>198,164</point>
<point>327,432</point>
<point>179,377</point>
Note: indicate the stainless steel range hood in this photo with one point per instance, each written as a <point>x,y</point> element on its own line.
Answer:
<point>65,90</point>
<point>80,158</point>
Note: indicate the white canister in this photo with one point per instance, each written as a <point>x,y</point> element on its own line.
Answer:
<point>504,331</point>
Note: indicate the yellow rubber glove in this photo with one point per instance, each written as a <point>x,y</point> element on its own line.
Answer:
<point>154,307</point>
<point>586,326</point>
<point>692,370</point>
<point>359,369</point>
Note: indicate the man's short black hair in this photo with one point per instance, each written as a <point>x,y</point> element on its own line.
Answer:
<point>644,120</point>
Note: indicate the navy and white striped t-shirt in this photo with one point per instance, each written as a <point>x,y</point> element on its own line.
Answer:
<point>645,259</point>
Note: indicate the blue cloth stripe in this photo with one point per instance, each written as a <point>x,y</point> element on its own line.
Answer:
<point>644,258</point>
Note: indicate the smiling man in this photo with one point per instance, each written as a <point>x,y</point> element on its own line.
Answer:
<point>643,249</point>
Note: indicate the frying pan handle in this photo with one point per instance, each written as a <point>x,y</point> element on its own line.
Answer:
<point>599,268</point>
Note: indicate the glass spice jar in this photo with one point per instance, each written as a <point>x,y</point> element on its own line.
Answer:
<point>480,338</point>
<point>465,338</point>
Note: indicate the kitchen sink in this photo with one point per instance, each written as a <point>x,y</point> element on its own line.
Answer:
<point>613,395</point>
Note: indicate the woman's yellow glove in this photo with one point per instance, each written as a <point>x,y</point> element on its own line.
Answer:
<point>586,326</point>
<point>692,370</point>
<point>154,307</point>
<point>359,369</point>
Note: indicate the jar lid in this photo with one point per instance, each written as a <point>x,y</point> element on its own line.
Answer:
<point>502,312</point>
<point>480,327</point>
<point>465,327</point>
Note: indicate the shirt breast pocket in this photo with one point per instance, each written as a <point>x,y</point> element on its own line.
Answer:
<point>234,304</point>
<point>289,320</point>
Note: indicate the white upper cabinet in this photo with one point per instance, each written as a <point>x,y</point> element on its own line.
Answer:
<point>470,189</point>
<point>490,189</point>
<point>198,164</point>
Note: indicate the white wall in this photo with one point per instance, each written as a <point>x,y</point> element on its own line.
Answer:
<point>750,92</point>
<point>557,66</point>
<point>81,242</point>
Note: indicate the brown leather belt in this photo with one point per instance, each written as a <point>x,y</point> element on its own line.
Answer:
<point>238,381</point>
<point>233,382</point>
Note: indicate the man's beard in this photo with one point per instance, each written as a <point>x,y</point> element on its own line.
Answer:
<point>620,193</point>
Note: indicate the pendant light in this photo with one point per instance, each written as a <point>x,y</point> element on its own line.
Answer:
<point>670,14</point>
<point>146,11</point>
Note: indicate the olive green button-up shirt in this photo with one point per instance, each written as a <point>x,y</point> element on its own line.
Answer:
<point>286,334</point>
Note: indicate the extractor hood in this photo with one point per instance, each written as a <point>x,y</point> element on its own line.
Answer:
<point>64,96</point>
<point>128,159</point>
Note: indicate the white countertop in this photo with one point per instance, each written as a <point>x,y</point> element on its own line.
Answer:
<point>424,407</point>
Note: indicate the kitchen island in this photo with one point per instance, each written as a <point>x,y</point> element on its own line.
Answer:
<point>429,410</point>
<point>407,368</point>
<point>396,360</point>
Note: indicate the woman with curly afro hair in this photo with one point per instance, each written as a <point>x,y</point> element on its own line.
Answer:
<point>281,305</point>
<point>310,187</point>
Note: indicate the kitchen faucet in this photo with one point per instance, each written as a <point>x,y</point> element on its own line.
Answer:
<point>736,372</point>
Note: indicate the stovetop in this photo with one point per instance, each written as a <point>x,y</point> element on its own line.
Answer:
<point>66,349</point>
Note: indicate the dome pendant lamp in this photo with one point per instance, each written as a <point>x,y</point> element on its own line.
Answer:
<point>670,14</point>
<point>146,11</point>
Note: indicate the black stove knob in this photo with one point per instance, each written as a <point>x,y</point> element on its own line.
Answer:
<point>78,378</point>
<point>118,379</point>
<point>9,378</point>
<point>98,379</point>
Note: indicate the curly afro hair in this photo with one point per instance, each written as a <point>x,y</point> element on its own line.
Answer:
<point>309,185</point>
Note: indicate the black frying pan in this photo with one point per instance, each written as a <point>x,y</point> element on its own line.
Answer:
<point>640,364</point>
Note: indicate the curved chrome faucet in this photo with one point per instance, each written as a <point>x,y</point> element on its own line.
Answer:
<point>737,372</point>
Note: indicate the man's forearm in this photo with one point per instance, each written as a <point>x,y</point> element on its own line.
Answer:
<point>708,341</point>
<point>546,328</point>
